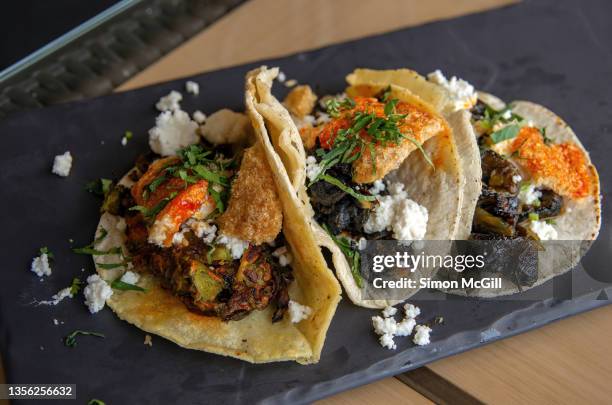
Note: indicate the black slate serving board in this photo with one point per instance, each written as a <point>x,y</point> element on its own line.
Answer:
<point>553,52</point>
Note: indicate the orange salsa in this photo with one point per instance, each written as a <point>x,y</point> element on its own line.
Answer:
<point>562,167</point>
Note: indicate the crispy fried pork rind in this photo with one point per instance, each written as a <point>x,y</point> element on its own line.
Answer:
<point>581,222</point>
<point>254,212</point>
<point>438,190</point>
<point>255,338</point>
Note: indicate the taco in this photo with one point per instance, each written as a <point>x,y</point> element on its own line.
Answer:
<point>379,162</point>
<point>538,183</point>
<point>215,259</point>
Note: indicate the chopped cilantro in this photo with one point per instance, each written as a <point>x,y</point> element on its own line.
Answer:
<point>45,250</point>
<point>353,256</point>
<point>99,187</point>
<point>507,132</point>
<point>70,340</point>
<point>533,216</point>
<point>346,189</point>
<point>123,286</point>
<point>75,286</point>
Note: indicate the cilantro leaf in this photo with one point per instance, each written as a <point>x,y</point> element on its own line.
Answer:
<point>123,286</point>
<point>70,340</point>
<point>507,132</point>
<point>334,181</point>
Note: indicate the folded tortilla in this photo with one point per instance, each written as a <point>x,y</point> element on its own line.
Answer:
<point>579,224</point>
<point>254,338</point>
<point>437,189</point>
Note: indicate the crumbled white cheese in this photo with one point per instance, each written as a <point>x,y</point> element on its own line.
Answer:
<point>235,245</point>
<point>226,126</point>
<point>148,341</point>
<point>507,114</point>
<point>291,83</point>
<point>199,117</point>
<point>312,168</point>
<point>384,325</point>
<point>421,337</point>
<point>362,243</point>
<point>178,238</point>
<point>322,118</point>
<point>377,187</point>
<point>130,277</point>
<point>544,230</point>
<point>528,194</point>
<point>386,340</point>
<point>62,164</point>
<point>517,178</point>
<point>40,265</point>
<point>283,255</point>
<point>410,222</point>
<point>192,87</point>
<point>96,293</point>
<point>396,212</point>
<point>58,297</point>
<point>462,92</point>
<point>55,322</point>
<point>281,77</point>
<point>170,102</point>
<point>173,130</point>
<point>389,311</point>
<point>124,141</point>
<point>159,230</point>
<point>412,311</point>
<point>298,312</point>
<point>405,327</point>
<point>203,229</point>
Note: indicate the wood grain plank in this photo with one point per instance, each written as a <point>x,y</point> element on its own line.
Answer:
<point>567,362</point>
<point>389,391</point>
<point>263,29</point>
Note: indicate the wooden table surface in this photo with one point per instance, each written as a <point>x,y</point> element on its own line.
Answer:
<point>564,362</point>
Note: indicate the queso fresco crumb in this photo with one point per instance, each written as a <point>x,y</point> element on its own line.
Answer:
<point>62,164</point>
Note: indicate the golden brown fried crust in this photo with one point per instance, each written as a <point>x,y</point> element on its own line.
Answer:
<point>300,101</point>
<point>419,125</point>
<point>254,212</point>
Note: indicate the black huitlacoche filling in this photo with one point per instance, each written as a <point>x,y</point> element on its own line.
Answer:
<point>501,216</point>
<point>337,209</point>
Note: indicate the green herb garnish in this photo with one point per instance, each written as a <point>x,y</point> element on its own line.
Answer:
<point>123,286</point>
<point>533,216</point>
<point>99,187</point>
<point>70,340</point>
<point>75,286</point>
<point>128,135</point>
<point>152,212</point>
<point>335,105</point>
<point>348,144</point>
<point>353,256</point>
<point>492,117</point>
<point>507,132</point>
<point>95,401</point>
<point>45,250</point>
<point>346,189</point>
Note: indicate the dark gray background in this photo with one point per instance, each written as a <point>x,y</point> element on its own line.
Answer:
<point>556,53</point>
